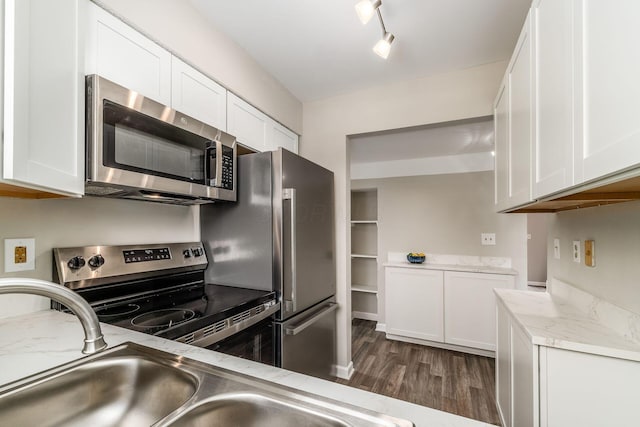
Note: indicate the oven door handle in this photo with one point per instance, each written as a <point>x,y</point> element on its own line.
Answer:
<point>295,330</point>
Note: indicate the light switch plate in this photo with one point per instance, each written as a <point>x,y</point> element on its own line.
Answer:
<point>556,248</point>
<point>10,258</point>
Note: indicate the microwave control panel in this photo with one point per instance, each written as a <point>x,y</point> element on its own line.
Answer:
<point>227,168</point>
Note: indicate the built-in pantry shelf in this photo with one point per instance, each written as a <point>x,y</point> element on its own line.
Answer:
<point>364,288</point>
<point>364,254</point>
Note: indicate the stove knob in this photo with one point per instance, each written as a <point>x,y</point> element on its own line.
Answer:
<point>186,253</point>
<point>96,261</point>
<point>76,262</point>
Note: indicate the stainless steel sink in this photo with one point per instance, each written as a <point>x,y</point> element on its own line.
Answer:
<point>249,409</point>
<point>120,390</point>
<point>133,385</point>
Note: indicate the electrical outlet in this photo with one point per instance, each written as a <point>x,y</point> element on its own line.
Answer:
<point>19,255</point>
<point>488,238</point>
<point>556,248</point>
<point>576,251</point>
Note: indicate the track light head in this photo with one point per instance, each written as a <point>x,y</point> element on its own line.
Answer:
<point>366,9</point>
<point>383,47</point>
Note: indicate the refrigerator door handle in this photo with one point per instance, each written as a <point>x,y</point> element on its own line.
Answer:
<point>290,194</point>
<point>296,329</point>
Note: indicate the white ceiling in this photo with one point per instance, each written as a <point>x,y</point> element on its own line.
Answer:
<point>464,137</point>
<point>319,48</point>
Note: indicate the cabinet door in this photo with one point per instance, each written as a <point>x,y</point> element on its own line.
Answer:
<point>247,123</point>
<point>501,125</point>
<point>44,95</point>
<point>282,137</point>
<point>197,95</point>
<point>503,365</point>
<point>608,69</point>
<point>521,106</point>
<point>524,366</point>
<point>121,54</point>
<point>414,303</point>
<point>470,307</point>
<point>553,154</point>
<point>587,390</point>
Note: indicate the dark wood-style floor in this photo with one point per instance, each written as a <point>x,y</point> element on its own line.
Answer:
<point>459,383</point>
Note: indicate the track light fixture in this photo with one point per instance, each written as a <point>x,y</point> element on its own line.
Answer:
<point>365,10</point>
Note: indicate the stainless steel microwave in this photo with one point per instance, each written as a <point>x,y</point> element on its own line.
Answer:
<point>140,149</point>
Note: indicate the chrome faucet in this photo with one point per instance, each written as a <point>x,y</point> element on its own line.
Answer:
<point>93,339</point>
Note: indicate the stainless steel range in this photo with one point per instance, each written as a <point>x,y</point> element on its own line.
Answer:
<point>160,289</point>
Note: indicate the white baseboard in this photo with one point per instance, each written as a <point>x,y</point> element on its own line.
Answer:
<point>453,347</point>
<point>344,372</point>
<point>381,327</point>
<point>364,315</point>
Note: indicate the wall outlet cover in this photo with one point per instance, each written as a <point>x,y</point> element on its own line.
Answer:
<point>488,238</point>
<point>19,255</point>
<point>575,250</point>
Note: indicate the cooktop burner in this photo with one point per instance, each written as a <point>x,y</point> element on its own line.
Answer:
<point>106,313</point>
<point>162,319</point>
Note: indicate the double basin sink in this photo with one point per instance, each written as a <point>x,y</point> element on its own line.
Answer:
<point>133,385</point>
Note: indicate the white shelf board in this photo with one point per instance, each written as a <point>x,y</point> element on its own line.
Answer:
<point>365,222</point>
<point>364,256</point>
<point>364,288</point>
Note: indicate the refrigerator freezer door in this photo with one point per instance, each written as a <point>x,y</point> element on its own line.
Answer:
<point>304,228</point>
<point>238,236</point>
<point>308,341</point>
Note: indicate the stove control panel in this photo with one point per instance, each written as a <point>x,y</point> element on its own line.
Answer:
<point>142,255</point>
<point>89,266</point>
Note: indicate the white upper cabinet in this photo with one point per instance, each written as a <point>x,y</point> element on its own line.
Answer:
<point>43,120</point>
<point>513,115</point>
<point>608,72</point>
<point>521,106</point>
<point>250,126</point>
<point>282,137</point>
<point>121,54</point>
<point>553,150</point>
<point>197,95</point>
<point>501,132</point>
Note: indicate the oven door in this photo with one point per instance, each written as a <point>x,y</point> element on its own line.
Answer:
<point>254,343</point>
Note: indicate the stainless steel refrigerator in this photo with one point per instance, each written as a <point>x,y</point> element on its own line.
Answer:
<point>279,236</point>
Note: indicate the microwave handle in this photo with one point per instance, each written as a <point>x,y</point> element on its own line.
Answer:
<point>216,179</point>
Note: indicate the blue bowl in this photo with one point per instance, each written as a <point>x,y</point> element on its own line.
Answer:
<point>415,259</point>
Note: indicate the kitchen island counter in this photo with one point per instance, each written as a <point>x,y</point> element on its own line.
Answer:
<point>40,341</point>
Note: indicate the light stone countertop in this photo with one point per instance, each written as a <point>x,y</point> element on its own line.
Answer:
<point>559,322</point>
<point>39,341</point>
<point>455,267</point>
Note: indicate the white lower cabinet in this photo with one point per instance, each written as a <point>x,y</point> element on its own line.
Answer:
<point>469,308</point>
<point>540,386</point>
<point>587,390</point>
<point>449,307</point>
<point>516,373</point>
<point>43,91</point>
<point>414,306</point>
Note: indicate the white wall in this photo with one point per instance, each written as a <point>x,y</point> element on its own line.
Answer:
<point>616,231</point>
<point>83,222</point>
<point>538,229</point>
<point>328,123</point>
<point>179,27</point>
